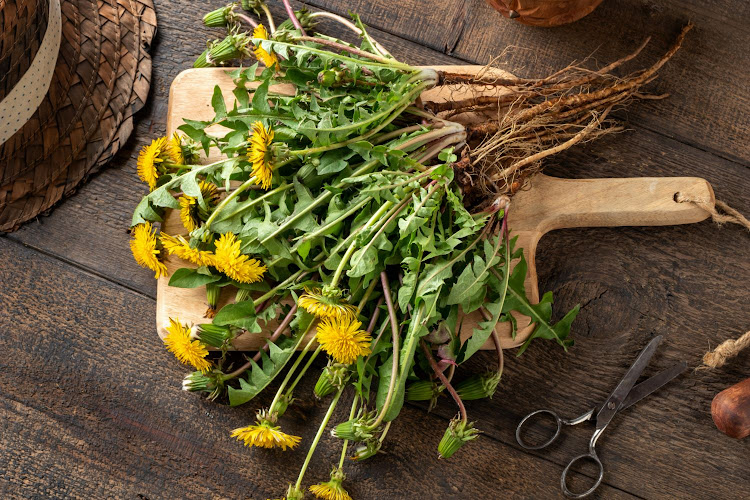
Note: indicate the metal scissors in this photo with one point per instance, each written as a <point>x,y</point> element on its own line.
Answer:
<point>625,395</point>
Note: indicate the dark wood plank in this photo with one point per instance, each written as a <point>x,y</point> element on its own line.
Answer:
<point>91,407</point>
<point>129,424</point>
<point>707,79</point>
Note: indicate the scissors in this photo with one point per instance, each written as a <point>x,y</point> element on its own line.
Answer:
<point>626,394</point>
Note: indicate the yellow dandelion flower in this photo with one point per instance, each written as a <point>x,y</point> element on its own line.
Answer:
<point>343,339</point>
<point>317,304</point>
<point>175,149</point>
<point>267,59</point>
<point>179,246</point>
<point>265,435</point>
<point>259,154</point>
<point>143,246</point>
<point>188,212</point>
<point>148,161</point>
<point>189,208</point>
<point>333,489</point>
<point>229,260</point>
<point>330,491</point>
<point>151,158</point>
<point>186,350</point>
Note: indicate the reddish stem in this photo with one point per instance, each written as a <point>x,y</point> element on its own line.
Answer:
<point>345,48</point>
<point>444,380</point>
<point>293,17</point>
<point>277,333</point>
<point>375,315</point>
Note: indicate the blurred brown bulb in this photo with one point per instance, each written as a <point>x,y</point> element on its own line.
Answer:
<point>545,13</point>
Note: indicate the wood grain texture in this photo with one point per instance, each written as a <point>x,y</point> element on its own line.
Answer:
<point>90,402</point>
<point>91,408</point>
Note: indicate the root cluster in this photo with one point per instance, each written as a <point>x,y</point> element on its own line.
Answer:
<point>537,118</point>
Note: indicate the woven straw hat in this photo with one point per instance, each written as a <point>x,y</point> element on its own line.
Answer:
<point>72,73</point>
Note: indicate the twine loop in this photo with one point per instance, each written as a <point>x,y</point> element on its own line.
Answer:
<point>725,351</point>
<point>730,214</point>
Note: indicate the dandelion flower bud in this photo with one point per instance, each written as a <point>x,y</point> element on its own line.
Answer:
<point>478,386</point>
<point>222,16</point>
<point>369,449</point>
<point>234,46</point>
<point>197,381</point>
<point>457,433</point>
<point>293,493</point>
<point>214,335</point>
<point>324,385</point>
<point>357,429</point>
<point>204,382</point>
<point>423,390</point>
<point>333,377</point>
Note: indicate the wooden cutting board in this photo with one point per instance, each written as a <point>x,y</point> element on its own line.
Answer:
<point>549,203</point>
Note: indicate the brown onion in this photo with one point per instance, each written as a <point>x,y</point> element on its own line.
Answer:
<point>545,13</point>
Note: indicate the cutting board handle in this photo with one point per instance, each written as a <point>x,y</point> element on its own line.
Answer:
<point>640,201</point>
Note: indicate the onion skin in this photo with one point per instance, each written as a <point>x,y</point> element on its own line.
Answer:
<point>544,13</point>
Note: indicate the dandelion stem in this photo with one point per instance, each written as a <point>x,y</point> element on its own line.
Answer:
<point>385,432</point>
<point>284,324</point>
<point>301,355</point>
<point>247,19</point>
<point>302,372</point>
<point>405,130</point>
<point>340,46</point>
<point>388,63</point>
<point>366,296</point>
<point>346,441</point>
<point>444,381</point>
<point>293,17</point>
<point>271,24</point>
<point>281,285</point>
<point>314,444</point>
<point>277,333</point>
<point>247,205</point>
<point>395,339</point>
<point>234,194</point>
<point>375,45</point>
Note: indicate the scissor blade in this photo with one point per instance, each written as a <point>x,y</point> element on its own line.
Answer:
<point>652,384</point>
<point>614,402</point>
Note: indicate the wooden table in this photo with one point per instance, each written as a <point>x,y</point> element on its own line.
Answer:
<point>90,402</point>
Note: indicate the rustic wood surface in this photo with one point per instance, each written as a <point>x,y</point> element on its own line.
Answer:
<point>90,402</point>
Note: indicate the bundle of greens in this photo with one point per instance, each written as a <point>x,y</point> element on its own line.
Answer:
<point>337,216</point>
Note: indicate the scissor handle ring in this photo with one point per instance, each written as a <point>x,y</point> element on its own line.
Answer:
<point>520,441</point>
<point>591,456</point>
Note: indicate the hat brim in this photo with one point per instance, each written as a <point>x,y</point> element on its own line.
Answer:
<point>101,79</point>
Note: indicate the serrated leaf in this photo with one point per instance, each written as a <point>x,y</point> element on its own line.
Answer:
<point>365,261</point>
<point>540,313</point>
<point>217,102</point>
<point>261,375</point>
<point>470,287</point>
<point>260,98</point>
